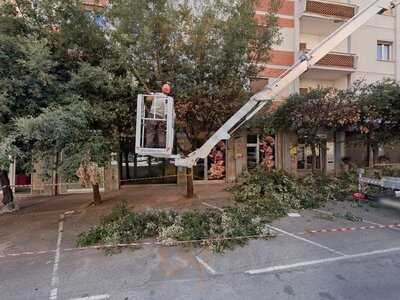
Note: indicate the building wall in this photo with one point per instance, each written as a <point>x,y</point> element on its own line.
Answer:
<point>282,56</point>
<point>296,28</point>
<point>364,43</point>
<point>312,40</point>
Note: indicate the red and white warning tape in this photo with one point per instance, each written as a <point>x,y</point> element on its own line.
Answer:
<point>17,186</point>
<point>142,244</point>
<point>349,229</point>
<point>29,185</point>
<point>176,243</point>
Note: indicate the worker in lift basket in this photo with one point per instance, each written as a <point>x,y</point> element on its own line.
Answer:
<point>155,129</point>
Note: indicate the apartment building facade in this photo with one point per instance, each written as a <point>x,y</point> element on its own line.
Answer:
<point>370,54</point>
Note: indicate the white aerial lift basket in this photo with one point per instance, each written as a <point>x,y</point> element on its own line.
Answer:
<point>155,117</point>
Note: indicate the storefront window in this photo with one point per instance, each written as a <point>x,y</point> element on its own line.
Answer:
<point>267,152</point>
<point>213,168</point>
<point>216,161</point>
<point>260,151</point>
<point>253,151</point>
<point>304,157</point>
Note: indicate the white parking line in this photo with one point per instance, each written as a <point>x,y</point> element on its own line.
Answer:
<point>54,278</point>
<point>98,297</point>
<point>319,261</point>
<point>306,240</point>
<point>206,266</point>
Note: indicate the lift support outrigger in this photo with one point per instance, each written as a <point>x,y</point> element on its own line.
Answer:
<point>260,99</point>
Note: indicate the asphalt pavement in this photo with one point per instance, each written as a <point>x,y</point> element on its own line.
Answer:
<point>317,255</point>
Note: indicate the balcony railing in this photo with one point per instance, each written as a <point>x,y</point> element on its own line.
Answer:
<point>336,59</point>
<point>333,9</point>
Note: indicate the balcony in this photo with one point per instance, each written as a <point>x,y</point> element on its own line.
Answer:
<point>338,60</point>
<point>333,59</point>
<point>328,9</point>
<point>332,66</point>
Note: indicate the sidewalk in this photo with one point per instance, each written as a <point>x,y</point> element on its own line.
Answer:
<point>138,197</point>
<point>34,226</point>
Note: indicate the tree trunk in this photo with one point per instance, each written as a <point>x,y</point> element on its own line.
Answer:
<point>313,158</point>
<point>164,167</point>
<point>149,169</point>
<point>120,165</point>
<point>8,198</point>
<point>126,154</point>
<point>375,154</point>
<point>135,168</point>
<point>370,156</point>
<point>56,163</point>
<point>189,183</point>
<point>323,155</point>
<point>96,194</point>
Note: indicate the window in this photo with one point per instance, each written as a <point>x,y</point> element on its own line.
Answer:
<point>304,157</point>
<point>253,149</point>
<point>212,168</point>
<point>384,51</point>
<point>260,151</point>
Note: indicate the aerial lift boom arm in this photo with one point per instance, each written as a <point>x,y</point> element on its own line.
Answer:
<point>260,99</point>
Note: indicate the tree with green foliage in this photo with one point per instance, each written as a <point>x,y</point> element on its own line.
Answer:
<point>208,51</point>
<point>58,52</point>
<point>65,137</point>
<point>310,115</point>
<point>379,122</point>
<point>372,109</point>
<point>6,153</point>
<point>27,80</point>
<point>45,50</point>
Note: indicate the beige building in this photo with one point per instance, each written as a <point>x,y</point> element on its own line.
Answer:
<point>370,54</point>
